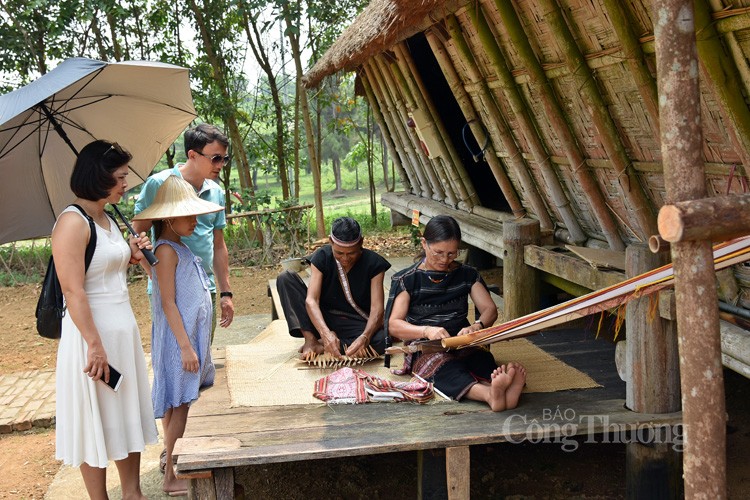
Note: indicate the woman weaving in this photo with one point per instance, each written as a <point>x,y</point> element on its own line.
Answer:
<point>430,300</point>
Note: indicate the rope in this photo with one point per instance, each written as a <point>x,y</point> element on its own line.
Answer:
<point>480,155</point>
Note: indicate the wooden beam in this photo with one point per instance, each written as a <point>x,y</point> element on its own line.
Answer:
<point>712,219</point>
<point>571,268</point>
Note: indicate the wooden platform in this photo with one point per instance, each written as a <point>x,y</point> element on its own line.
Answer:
<point>219,439</point>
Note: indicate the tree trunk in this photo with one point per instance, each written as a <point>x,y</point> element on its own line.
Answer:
<point>305,111</point>
<point>336,166</point>
<point>256,44</point>
<point>234,131</point>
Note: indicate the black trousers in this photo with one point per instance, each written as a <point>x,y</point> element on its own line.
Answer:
<point>293,292</point>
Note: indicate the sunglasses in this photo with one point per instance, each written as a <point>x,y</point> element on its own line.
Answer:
<point>114,147</point>
<point>216,159</point>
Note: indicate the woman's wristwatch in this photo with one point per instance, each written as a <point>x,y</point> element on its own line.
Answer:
<point>226,294</point>
<point>479,322</point>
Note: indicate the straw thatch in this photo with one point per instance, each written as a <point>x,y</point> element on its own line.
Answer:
<point>381,25</point>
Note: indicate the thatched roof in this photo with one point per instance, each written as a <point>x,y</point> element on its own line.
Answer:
<point>382,24</point>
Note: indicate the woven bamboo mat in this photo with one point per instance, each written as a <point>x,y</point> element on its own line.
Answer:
<point>265,372</point>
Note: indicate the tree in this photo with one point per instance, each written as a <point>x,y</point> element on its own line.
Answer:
<point>256,42</point>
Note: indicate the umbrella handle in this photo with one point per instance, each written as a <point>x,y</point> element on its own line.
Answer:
<point>150,257</point>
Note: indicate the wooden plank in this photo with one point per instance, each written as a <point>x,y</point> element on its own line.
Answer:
<point>458,472</point>
<point>276,310</point>
<point>600,257</point>
<point>561,263</point>
<point>429,427</point>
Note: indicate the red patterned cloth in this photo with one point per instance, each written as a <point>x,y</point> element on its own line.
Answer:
<point>352,386</point>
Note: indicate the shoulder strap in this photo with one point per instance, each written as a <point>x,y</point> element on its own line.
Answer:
<point>92,239</point>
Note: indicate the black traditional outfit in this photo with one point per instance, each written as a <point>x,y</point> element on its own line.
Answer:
<point>338,313</point>
<point>441,299</point>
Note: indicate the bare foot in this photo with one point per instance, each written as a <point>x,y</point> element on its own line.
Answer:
<point>310,348</point>
<point>513,394</point>
<point>176,487</point>
<point>501,380</point>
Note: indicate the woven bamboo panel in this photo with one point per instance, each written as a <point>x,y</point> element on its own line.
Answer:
<point>640,16</point>
<point>638,129</point>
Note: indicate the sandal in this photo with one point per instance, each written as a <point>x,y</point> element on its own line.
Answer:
<point>163,461</point>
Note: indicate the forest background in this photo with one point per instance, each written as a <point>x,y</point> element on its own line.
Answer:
<point>246,60</point>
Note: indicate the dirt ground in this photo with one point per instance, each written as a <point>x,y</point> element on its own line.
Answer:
<point>518,471</point>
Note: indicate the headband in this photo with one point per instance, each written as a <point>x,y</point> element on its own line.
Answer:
<point>345,243</point>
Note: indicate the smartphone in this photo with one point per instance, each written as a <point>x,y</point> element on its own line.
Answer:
<point>115,379</point>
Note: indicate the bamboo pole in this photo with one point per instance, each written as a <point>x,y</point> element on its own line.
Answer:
<point>723,74</point>
<point>420,185</point>
<point>394,131</point>
<point>702,380</point>
<point>385,130</point>
<point>422,165</point>
<point>603,122</point>
<point>516,162</point>
<point>711,219</point>
<point>453,167</point>
<point>556,116</point>
<point>413,102</point>
<point>525,122</point>
<point>634,58</point>
<point>730,37</point>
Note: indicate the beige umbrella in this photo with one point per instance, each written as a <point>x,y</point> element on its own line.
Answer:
<point>141,105</point>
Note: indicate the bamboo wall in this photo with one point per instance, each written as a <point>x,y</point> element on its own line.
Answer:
<point>566,91</point>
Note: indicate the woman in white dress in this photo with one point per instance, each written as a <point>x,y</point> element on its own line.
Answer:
<point>94,423</point>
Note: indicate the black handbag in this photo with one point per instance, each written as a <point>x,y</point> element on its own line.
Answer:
<point>50,308</point>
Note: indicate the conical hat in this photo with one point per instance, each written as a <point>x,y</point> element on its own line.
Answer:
<point>176,198</point>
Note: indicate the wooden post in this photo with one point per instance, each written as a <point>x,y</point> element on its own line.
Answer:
<point>653,381</point>
<point>458,472</point>
<point>702,378</point>
<point>520,282</point>
<point>652,386</point>
<point>654,470</point>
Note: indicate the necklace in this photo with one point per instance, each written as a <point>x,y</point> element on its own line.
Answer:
<point>429,277</point>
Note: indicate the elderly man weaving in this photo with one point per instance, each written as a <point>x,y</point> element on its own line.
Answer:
<point>341,310</point>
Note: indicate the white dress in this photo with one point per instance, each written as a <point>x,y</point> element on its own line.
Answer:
<point>94,424</point>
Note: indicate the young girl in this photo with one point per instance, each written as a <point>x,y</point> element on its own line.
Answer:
<point>181,302</point>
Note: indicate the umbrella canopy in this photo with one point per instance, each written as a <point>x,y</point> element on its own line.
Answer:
<point>143,106</point>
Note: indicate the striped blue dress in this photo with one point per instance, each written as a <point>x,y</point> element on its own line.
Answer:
<point>174,386</point>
